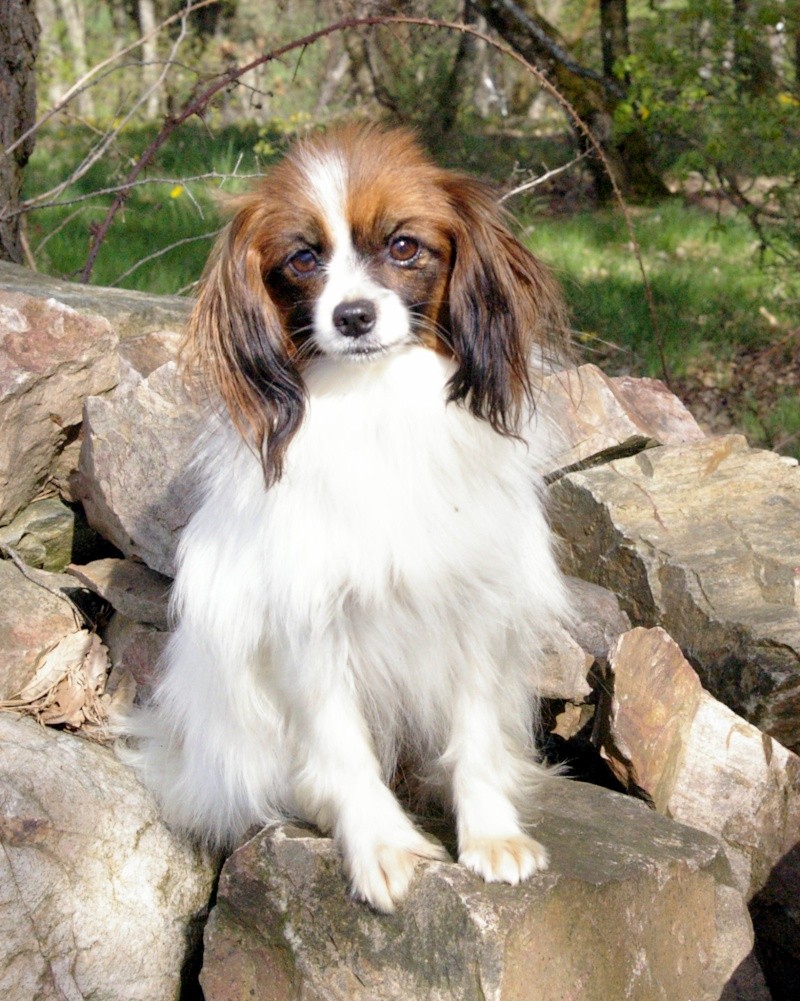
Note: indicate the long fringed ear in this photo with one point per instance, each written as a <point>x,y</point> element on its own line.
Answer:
<point>504,307</point>
<point>237,344</point>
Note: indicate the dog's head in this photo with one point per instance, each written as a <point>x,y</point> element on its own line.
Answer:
<point>355,244</point>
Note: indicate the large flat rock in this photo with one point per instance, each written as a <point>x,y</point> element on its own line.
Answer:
<point>135,316</point>
<point>702,539</point>
<point>97,898</point>
<point>633,906</point>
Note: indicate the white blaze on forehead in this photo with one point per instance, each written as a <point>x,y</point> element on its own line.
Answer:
<point>346,277</point>
<point>327,186</point>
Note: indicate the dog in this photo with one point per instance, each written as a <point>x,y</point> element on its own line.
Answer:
<point>369,575</point>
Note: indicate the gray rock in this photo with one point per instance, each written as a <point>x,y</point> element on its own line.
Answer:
<point>132,479</point>
<point>43,534</point>
<point>132,588</point>
<point>34,618</point>
<point>98,898</point>
<point>633,906</point>
<point>51,359</point>
<point>599,621</point>
<point>702,539</point>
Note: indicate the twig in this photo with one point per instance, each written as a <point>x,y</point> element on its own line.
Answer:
<point>80,84</point>
<point>26,571</point>
<point>114,189</point>
<point>536,181</point>
<point>161,252</point>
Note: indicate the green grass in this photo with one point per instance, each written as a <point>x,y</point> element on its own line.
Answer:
<point>155,215</point>
<point>710,294</point>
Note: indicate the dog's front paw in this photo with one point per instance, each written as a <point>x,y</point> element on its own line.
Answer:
<point>381,876</point>
<point>504,860</point>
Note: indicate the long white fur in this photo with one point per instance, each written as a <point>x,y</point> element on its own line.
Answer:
<point>389,593</point>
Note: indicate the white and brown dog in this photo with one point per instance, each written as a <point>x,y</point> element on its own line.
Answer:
<point>369,572</point>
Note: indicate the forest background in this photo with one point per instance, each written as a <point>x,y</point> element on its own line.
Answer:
<point>142,118</point>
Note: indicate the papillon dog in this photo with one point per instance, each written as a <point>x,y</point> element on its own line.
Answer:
<point>369,575</point>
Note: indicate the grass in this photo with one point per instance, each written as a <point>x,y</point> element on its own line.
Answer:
<point>156,215</point>
<point>709,292</point>
<point>714,302</point>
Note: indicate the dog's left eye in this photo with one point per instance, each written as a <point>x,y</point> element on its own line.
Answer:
<point>304,262</point>
<point>403,249</point>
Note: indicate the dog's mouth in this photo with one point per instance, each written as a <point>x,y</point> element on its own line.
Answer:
<point>363,351</point>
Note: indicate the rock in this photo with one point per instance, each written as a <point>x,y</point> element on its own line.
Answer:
<point>708,768</point>
<point>132,478</point>
<point>47,534</point>
<point>563,669</point>
<point>633,906</point>
<point>51,359</point>
<point>34,619</point>
<point>702,539</point>
<point>98,898</point>
<point>600,418</point>
<point>699,762</point>
<point>137,317</point>
<point>130,587</point>
<point>135,650</point>
<point>599,621</point>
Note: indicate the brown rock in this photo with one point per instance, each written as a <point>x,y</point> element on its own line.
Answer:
<point>633,906</point>
<point>652,698</point>
<point>563,669</point>
<point>51,359</point>
<point>702,539</point>
<point>599,418</point>
<point>134,316</point>
<point>706,767</point>
<point>135,650</point>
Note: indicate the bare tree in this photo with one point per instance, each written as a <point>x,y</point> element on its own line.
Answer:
<point>19,44</point>
<point>73,15</point>
<point>593,95</point>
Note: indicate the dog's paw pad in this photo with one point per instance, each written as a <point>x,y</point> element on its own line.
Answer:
<point>504,860</point>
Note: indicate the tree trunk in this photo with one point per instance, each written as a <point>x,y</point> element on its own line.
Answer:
<point>19,44</point>
<point>613,33</point>
<point>74,17</point>
<point>592,95</point>
<point>148,22</point>
<point>752,58</point>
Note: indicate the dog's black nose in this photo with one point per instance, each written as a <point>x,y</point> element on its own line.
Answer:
<point>354,319</point>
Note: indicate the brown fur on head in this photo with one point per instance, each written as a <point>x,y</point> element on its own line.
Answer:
<point>470,289</point>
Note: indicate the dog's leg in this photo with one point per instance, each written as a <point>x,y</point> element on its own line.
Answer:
<point>339,786</point>
<point>484,771</point>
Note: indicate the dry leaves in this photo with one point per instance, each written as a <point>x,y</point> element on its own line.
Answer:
<point>67,686</point>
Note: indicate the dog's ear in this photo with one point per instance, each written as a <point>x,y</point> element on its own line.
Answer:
<point>503,306</point>
<point>236,341</point>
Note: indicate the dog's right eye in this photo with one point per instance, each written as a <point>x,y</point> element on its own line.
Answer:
<point>304,263</point>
